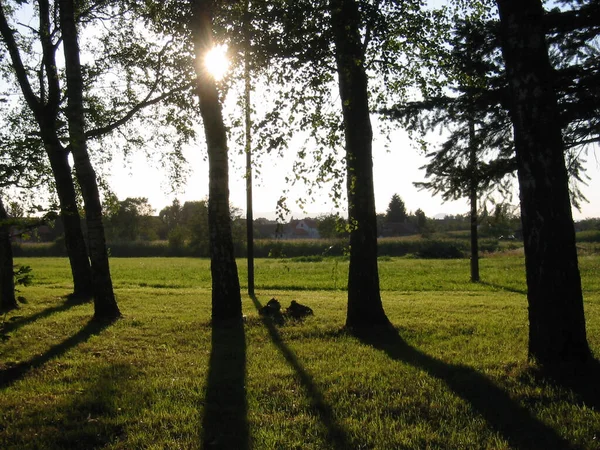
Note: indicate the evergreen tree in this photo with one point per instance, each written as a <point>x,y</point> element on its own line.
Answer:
<point>557,332</point>
<point>396,211</point>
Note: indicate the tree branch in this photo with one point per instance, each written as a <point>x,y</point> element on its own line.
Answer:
<point>13,49</point>
<point>49,61</point>
<point>97,132</point>
<point>566,21</point>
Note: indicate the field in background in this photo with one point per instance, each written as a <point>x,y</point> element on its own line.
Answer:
<point>504,272</point>
<point>449,245</point>
<point>454,375</point>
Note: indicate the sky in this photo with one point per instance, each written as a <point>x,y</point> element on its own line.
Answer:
<point>395,169</point>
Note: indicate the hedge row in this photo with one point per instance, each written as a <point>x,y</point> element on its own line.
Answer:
<point>588,236</point>
<point>267,248</point>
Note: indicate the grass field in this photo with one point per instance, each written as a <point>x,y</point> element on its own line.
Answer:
<point>453,375</point>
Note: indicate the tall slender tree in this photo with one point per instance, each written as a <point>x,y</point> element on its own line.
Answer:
<point>473,196</point>
<point>364,299</point>
<point>148,69</point>
<point>248,148</point>
<point>105,304</point>
<point>557,332</point>
<point>305,44</point>
<point>45,107</point>
<point>226,296</point>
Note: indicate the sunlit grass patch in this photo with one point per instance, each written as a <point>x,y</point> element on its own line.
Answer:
<point>453,375</point>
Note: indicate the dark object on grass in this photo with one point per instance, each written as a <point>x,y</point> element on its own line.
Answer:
<point>272,308</point>
<point>298,311</point>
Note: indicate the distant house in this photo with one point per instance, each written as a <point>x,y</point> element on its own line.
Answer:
<point>267,229</point>
<point>302,229</point>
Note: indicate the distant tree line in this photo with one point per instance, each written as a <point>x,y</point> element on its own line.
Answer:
<point>186,225</point>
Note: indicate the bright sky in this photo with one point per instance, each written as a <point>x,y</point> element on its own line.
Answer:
<point>395,170</point>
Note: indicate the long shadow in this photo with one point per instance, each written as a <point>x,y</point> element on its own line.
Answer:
<point>514,422</point>
<point>581,379</point>
<point>87,419</point>
<point>225,419</point>
<point>504,288</point>
<point>18,322</point>
<point>336,435</point>
<point>12,374</point>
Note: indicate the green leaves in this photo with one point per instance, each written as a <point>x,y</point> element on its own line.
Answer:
<point>23,276</point>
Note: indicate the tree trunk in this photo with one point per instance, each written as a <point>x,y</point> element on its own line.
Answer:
<point>46,115</point>
<point>364,299</point>
<point>473,203</point>
<point>69,213</point>
<point>226,296</point>
<point>248,133</point>
<point>557,331</point>
<point>8,300</point>
<point>105,305</point>
<point>474,237</point>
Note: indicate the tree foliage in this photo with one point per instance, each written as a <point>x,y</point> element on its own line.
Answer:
<point>128,75</point>
<point>396,211</point>
<point>129,219</point>
<point>557,331</point>
<point>476,93</point>
<point>331,226</point>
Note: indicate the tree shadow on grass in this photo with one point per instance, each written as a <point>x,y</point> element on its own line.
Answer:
<point>13,374</point>
<point>514,422</point>
<point>336,435</point>
<point>504,288</point>
<point>581,379</point>
<point>225,419</point>
<point>16,322</point>
<point>88,418</point>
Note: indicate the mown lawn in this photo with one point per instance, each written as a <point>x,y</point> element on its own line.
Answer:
<point>453,375</point>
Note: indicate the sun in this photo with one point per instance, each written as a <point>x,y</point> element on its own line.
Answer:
<point>216,62</point>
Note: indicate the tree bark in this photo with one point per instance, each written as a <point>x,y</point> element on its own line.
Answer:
<point>105,305</point>
<point>226,296</point>
<point>45,111</point>
<point>557,332</point>
<point>473,191</point>
<point>364,300</point>
<point>74,241</point>
<point>8,300</point>
<point>248,136</point>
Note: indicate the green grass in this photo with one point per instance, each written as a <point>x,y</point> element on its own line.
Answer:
<point>503,273</point>
<point>453,376</point>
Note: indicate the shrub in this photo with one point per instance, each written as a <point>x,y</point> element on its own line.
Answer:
<point>442,249</point>
<point>588,236</point>
<point>315,258</point>
<point>489,245</point>
<point>309,250</point>
<point>176,239</point>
